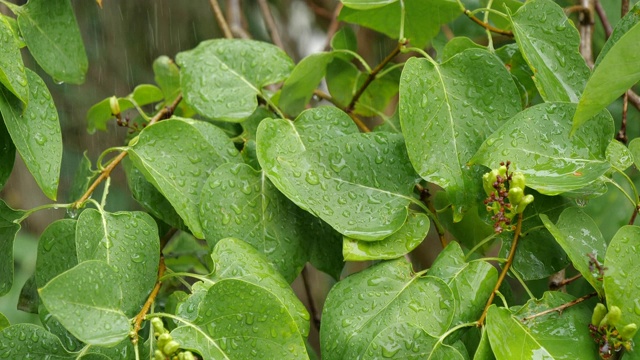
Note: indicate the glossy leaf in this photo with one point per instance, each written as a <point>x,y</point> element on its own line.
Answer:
<point>634,148</point>
<point>149,197</point>
<point>579,236</point>
<point>345,39</point>
<point>28,341</point>
<point>12,74</point>
<point>537,143</point>
<point>4,322</point>
<point>7,154</point>
<point>51,32</point>
<point>410,235</point>
<point>366,4</point>
<point>422,18</point>
<point>221,78</point>
<point>360,308</point>
<point>360,184</point>
<point>100,113</point>
<point>521,72</point>
<point>619,156</point>
<point>52,325</point>
<point>8,231</point>
<point>56,250</point>
<point>35,132</point>
<point>457,45</point>
<point>235,259</point>
<point>501,5</point>
<point>240,202</point>
<point>129,242</point>
<point>447,110</point>
<point>552,336</point>
<point>616,72</point>
<point>483,351</point>
<point>240,320</point>
<point>408,341</point>
<point>305,77</point>
<point>82,178</point>
<point>628,21</point>
<point>549,43</point>
<point>89,309</point>
<point>622,273</point>
<point>28,300</point>
<point>167,76</point>
<point>177,159</point>
<point>471,282</point>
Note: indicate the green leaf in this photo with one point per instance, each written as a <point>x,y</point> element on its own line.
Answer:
<point>622,274</point>
<point>628,21</point>
<point>7,154</point>
<point>177,158</point>
<point>360,184</point>
<point>366,4</point>
<point>35,132</point>
<point>100,113</point>
<point>552,336</point>
<point>521,72</point>
<point>617,72</point>
<point>235,259</point>
<point>167,76</point>
<point>12,74</point>
<point>407,341</point>
<point>457,45</point>
<point>56,250</point>
<point>238,201</point>
<point>471,283</point>
<point>87,300</point>
<point>4,322</point>
<point>410,235</point>
<point>345,39</point>
<point>8,231</point>
<point>634,148</point>
<point>500,5</point>
<point>537,143</point>
<point>29,300</point>
<point>440,105</point>
<point>579,236</point>
<point>484,352</point>
<point>52,325</point>
<point>82,178</point>
<point>28,341</point>
<point>362,306</point>
<point>549,43</point>
<point>305,77</point>
<point>241,320</point>
<point>221,78</point>
<point>619,156</point>
<point>422,18</point>
<point>149,197</point>
<point>51,32</point>
<point>129,242</point>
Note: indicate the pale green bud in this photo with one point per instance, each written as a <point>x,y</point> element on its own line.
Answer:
<point>628,331</point>
<point>517,180</point>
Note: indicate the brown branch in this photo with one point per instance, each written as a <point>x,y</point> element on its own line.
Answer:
<point>373,75</point>
<point>162,114</point>
<point>220,19</point>
<point>147,305</point>
<point>634,98</point>
<point>333,26</point>
<point>361,125</point>
<point>234,14</point>
<point>319,10</point>
<point>634,215</point>
<point>315,316</point>
<point>505,269</point>
<point>561,308</point>
<point>602,15</point>
<point>586,31</point>
<point>487,26</point>
<point>270,23</point>
<point>425,198</point>
<point>555,285</point>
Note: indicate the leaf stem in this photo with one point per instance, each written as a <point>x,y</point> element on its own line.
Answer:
<point>487,25</point>
<point>104,174</point>
<point>373,74</point>
<point>564,282</point>
<point>561,308</point>
<point>221,20</point>
<point>522,283</point>
<point>505,268</point>
<point>13,7</point>
<point>456,328</point>
<point>431,211</point>
<point>480,244</point>
<point>147,305</point>
<point>633,202</point>
<point>28,213</point>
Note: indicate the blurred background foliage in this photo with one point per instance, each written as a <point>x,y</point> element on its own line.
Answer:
<point>122,40</point>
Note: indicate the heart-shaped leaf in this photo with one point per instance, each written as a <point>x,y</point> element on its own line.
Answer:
<point>447,110</point>
<point>221,78</point>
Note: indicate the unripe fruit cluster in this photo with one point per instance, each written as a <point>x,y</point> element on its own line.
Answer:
<point>505,196</point>
<point>610,334</point>
<point>166,347</point>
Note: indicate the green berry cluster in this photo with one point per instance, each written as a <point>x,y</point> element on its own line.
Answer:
<point>505,196</point>
<point>609,333</point>
<point>166,347</point>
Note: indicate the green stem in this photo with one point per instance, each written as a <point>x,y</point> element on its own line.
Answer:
<point>489,10</point>
<point>105,192</point>
<point>273,106</point>
<point>13,7</point>
<point>439,228</point>
<point>504,300</point>
<point>633,202</point>
<point>106,152</point>
<point>521,281</point>
<point>146,117</point>
<point>498,259</point>
<point>402,16</point>
<point>355,55</point>
<point>479,245</point>
<point>633,186</point>
<point>405,50</point>
<point>28,213</point>
<point>173,274</point>
<point>486,20</point>
<point>456,328</point>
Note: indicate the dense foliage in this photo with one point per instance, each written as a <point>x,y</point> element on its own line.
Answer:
<point>247,171</point>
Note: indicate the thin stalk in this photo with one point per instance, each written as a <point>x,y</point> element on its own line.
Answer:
<point>222,22</point>
<point>504,300</point>
<point>522,283</point>
<point>270,23</point>
<point>503,273</point>
<point>137,325</point>
<point>562,307</point>
<point>479,245</point>
<point>486,25</point>
<point>28,213</point>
